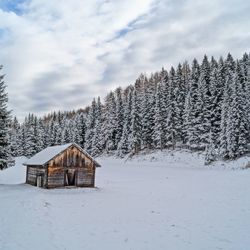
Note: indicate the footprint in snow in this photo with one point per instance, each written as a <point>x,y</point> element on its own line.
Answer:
<point>46,204</point>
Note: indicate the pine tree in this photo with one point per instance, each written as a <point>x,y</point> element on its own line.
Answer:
<point>180,94</point>
<point>204,104</point>
<point>110,132</point>
<point>148,110</point>
<point>217,80</point>
<point>57,133</point>
<point>186,81</point>
<point>125,142</point>
<point>159,118</point>
<point>5,158</point>
<point>172,110</point>
<point>226,112</point>
<point>67,133</point>
<point>80,126</point>
<point>135,124</point>
<point>231,132</point>
<point>90,125</point>
<point>31,136</point>
<point>192,109</point>
<point>15,130</point>
<point>22,147</point>
<point>246,90</point>
<point>119,118</point>
<point>51,138</point>
<point>41,135</point>
<point>98,137</point>
<point>163,75</point>
<point>237,119</point>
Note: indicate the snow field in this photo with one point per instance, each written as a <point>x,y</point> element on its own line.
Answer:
<point>151,202</point>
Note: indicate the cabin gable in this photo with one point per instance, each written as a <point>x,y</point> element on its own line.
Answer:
<point>71,168</point>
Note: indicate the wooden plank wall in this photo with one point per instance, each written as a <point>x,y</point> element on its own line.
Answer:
<point>33,172</point>
<point>72,158</point>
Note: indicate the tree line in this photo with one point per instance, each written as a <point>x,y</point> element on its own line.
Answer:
<point>203,106</point>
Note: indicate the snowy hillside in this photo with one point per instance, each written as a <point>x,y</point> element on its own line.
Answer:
<point>181,159</point>
<point>150,202</point>
<point>14,175</point>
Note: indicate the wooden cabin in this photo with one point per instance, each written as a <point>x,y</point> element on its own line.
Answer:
<point>61,166</point>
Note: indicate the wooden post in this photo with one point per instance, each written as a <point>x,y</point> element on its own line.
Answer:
<point>46,176</point>
<point>27,174</point>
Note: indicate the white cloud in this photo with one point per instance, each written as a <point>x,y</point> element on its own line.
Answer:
<point>60,54</point>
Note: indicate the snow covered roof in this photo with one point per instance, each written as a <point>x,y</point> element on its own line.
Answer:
<point>49,153</point>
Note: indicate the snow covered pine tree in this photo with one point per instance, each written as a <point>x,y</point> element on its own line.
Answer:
<point>5,158</point>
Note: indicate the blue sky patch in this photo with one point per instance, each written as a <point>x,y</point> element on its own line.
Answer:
<point>3,34</point>
<point>12,6</point>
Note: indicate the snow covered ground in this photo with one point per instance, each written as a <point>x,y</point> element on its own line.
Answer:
<point>151,202</point>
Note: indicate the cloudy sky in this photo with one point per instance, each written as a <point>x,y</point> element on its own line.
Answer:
<point>59,54</point>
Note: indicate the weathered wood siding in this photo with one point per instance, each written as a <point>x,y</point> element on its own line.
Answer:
<point>86,176</point>
<point>33,172</point>
<point>72,160</point>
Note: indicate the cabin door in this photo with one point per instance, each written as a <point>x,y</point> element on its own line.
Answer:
<point>70,177</point>
<point>39,180</point>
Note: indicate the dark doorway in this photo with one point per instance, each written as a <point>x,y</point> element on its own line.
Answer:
<point>70,177</point>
